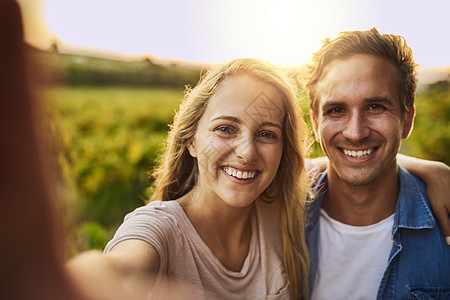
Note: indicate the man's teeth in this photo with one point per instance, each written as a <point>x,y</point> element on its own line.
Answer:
<point>240,174</point>
<point>358,154</point>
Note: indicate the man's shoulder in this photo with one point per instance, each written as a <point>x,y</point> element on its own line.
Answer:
<point>314,203</point>
<point>413,208</point>
<point>319,183</point>
<point>412,183</point>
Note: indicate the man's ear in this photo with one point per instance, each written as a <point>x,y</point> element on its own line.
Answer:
<point>315,127</point>
<point>408,123</point>
<point>191,147</point>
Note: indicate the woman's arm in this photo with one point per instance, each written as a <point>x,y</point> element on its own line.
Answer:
<point>437,177</point>
<point>128,271</point>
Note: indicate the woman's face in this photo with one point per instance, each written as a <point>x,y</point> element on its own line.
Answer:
<point>239,141</point>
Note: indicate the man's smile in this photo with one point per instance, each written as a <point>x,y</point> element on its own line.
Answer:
<point>359,153</point>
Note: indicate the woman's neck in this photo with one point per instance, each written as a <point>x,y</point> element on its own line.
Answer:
<point>225,230</point>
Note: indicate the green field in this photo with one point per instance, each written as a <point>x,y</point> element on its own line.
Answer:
<point>109,138</point>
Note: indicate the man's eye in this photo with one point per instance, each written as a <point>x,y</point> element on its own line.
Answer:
<point>376,107</point>
<point>335,110</point>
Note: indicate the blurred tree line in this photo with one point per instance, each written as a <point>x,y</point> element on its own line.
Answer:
<point>69,69</point>
<point>430,137</point>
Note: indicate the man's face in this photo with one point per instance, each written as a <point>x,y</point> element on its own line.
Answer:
<point>358,118</point>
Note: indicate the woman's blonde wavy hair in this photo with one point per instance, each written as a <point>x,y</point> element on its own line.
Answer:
<point>178,171</point>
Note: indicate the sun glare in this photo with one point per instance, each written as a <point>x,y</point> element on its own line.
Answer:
<point>284,32</point>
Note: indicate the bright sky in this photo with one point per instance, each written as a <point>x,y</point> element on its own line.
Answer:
<point>283,32</point>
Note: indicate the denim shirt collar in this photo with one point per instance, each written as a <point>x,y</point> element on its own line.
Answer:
<point>412,210</point>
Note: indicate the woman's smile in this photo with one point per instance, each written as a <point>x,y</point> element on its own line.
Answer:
<point>240,174</point>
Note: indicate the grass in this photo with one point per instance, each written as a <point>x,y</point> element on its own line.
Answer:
<point>109,138</point>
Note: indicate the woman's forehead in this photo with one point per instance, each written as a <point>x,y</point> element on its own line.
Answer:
<point>245,96</point>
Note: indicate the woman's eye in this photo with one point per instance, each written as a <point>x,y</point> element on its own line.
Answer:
<point>268,135</point>
<point>225,130</point>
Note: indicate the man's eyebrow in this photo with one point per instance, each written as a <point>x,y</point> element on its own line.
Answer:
<point>332,103</point>
<point>380,99</point>
<point>385,100</point>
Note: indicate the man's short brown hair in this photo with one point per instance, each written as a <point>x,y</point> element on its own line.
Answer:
<point>348,43</point>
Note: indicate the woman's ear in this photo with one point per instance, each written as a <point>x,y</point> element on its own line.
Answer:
<point>191,147</point>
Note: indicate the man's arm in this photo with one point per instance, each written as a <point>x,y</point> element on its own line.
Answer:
<point>437,177</point>
<point>315,167</point>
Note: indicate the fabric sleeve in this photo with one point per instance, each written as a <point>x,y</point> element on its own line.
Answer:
<point>153,224</point>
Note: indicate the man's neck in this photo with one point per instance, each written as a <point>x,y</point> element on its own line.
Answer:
<point>364,204</point>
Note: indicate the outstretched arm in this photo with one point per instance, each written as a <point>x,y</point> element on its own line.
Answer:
<point>437,177</point>
<point>127,272</point>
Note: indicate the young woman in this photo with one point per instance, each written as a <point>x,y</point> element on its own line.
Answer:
<point>226,216</point>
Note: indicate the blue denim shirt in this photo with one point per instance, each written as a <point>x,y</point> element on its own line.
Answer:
<point>419,261</point>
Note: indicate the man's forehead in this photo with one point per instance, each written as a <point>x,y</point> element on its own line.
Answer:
<point>360,64</point>
<point>363,76</point>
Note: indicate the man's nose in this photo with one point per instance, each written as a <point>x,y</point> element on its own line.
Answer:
<point>356,127</point>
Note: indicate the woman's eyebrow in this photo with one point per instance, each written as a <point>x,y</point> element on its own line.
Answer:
<point>272,124</point>
<point>226,117</point>
<point>239,121</point>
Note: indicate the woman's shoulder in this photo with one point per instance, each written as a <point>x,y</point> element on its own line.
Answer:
<point>156,222</point>
<point>155,208</point>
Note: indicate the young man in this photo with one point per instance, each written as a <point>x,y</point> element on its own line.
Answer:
<point>371,233</point>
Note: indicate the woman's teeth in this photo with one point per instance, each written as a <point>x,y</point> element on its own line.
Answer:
<point>239,174</point>
<point>358,154</point>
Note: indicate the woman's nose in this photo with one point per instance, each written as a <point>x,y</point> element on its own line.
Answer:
<point>246,149</point>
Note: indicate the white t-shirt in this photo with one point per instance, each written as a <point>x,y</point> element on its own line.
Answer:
<point>352,259</point>
<point>185,258</point>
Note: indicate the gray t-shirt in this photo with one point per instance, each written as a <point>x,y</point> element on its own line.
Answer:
<point>185,258</point>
